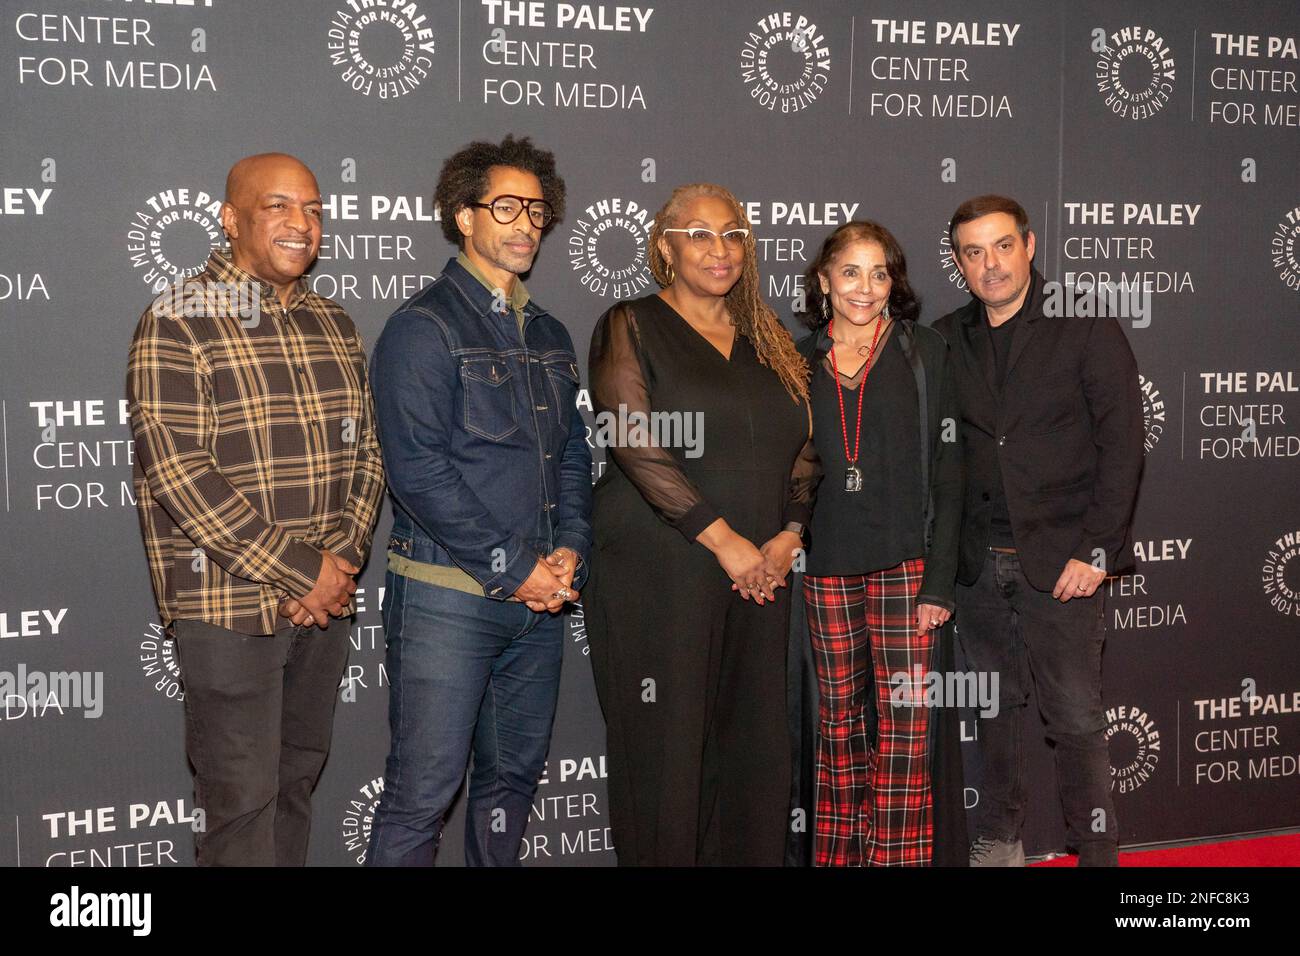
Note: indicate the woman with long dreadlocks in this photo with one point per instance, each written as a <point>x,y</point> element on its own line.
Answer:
<point>702,400</point>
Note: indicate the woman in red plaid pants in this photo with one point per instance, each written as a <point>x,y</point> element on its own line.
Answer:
<point>883,546</point>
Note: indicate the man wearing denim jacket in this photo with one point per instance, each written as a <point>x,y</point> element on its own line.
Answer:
<point>490,473</point>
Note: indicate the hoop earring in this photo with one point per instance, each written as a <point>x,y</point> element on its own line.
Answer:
<point>672,276</point>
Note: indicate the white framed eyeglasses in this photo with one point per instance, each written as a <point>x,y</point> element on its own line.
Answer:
<point>700,236</point>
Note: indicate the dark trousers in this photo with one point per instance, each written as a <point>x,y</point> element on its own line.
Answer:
<point>468,675</point>
<point>1008,627</point>
<point>259,713</point>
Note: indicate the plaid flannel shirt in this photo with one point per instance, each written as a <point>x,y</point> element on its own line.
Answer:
<point>255,447</point>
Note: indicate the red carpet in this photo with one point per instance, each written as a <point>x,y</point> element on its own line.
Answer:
<point>1259,851</point>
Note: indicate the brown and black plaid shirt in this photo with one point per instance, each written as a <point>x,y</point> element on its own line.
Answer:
<point>255,447</point>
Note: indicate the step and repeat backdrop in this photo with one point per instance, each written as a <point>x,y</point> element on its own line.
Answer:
<point>1153,144</point>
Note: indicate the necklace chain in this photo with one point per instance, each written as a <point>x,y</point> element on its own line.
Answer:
<point>862,387</point>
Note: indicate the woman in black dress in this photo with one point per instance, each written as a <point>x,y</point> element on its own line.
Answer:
<point>687,612</point>
<point>882,554</point>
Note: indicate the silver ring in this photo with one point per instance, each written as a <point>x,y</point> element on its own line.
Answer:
<point>934,623</point>
<point>562,593</point>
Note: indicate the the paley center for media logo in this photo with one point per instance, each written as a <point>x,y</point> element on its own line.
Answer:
<point>785,62</point>
<point>609,248</point>
<point>1134,744</point>
<point>1153,413</point>
<point>171,234</point>
<point>1281,574</point>
<point>1284,247</point>
<point>1134,71</point>
<point>381,48</point>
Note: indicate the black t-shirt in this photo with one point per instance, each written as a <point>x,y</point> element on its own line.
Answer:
<point>1000,337</point>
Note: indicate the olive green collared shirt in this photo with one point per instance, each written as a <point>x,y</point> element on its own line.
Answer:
<point>436,574</point>
<point>518,297</point>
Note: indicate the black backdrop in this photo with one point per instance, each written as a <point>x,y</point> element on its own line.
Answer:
<point>1152,143</point>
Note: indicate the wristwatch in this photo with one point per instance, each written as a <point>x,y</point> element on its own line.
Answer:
<point>795,528</point>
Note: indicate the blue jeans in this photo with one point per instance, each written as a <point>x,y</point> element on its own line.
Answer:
<point>465,672</point>
<point>1008,627</point>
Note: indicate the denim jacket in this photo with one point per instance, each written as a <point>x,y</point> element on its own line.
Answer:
<point>485,450</point>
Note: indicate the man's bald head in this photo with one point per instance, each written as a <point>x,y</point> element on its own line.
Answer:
<point>247,175</point>
<point>272,216</point>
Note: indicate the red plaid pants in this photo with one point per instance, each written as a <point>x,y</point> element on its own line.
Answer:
<point>873,804</point>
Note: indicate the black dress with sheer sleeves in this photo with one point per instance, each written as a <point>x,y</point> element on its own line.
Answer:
<point>691,676</point>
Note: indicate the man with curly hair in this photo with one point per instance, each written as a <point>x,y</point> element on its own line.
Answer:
<point>490,475</point>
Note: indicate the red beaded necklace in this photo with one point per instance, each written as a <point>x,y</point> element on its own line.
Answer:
<point>853,477</point>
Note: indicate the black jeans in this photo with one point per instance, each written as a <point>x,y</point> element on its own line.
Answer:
<point>1007,626</point>
<point>259,713</point>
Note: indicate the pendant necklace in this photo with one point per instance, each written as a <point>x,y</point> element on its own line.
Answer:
<point>853,476</point>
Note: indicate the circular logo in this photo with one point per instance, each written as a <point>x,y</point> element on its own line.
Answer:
<point>578,628</point>
<point>159,663</point>
<point>609,247</point>
<point>171,234</point>
<point>1134,747</point>
<point>1153,413</point>
<point>1281,576</point>
<point>784,62</point>
<point>1283,248</point>
<point>359,817</point>
<point>948,264</point>
<point>383,51</point>
<point>1135,72</point>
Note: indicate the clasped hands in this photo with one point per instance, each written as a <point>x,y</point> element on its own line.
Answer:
<point>329,598</point>
<point>550,585</point>
<point>547,588</point>
<point>755,572</point>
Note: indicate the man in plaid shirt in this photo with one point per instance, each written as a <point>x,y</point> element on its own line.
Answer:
<point>258,479</point>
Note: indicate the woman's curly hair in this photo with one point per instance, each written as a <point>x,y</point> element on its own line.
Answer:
<point>464,178</point>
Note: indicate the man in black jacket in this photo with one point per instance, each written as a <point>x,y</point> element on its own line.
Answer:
<point>1052,450</point>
